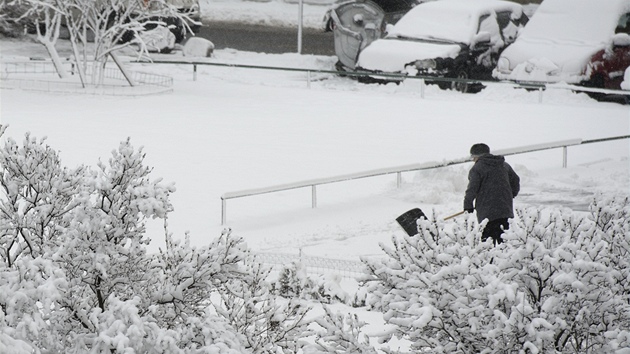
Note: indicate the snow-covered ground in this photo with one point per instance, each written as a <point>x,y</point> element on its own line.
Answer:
<point>235,129</point>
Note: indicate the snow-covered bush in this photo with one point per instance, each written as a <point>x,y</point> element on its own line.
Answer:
<point>339,334</point>
<point>560,283</point>
<point>270,323</point>
<point>75,275</point>
<point>293,281</point>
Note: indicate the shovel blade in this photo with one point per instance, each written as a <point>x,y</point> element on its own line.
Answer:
<point>408,221</point>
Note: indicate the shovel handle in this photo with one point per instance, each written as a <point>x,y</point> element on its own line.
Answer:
<point>454,215</point>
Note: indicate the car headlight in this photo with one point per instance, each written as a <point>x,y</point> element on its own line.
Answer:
<point>503,65</point>
<point>425,64</point>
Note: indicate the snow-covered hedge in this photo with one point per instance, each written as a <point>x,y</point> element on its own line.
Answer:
<point>559,284</point>
<point>75,277</point>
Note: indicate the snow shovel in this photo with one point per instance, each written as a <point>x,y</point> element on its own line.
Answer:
<point>408,220</point>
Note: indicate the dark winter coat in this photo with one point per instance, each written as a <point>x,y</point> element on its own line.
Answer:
<point>492,185</point>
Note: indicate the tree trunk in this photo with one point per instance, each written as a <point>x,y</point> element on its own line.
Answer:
<point>75,51</point>
<point>54,56</point>
<point>49,38</point>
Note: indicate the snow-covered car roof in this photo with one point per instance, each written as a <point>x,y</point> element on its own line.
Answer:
<point>585,22</point>
<point>559,40</point>
<point>450,20</point>
<point>435,30</point>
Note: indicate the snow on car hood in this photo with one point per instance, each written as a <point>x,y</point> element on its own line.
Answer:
<point>549,63</point>
<point>558,41</point>
<point>391,55</point>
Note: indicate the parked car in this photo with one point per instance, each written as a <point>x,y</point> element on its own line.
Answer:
<point>446,39</point>
<point>583,42</point>
<point>357,23</point>
<point>625,84</point>
<point>188,8</point>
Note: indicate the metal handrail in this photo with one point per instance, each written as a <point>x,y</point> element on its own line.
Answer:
<point>395,77</point>
<point>313,183</point>
<point>540,87</point>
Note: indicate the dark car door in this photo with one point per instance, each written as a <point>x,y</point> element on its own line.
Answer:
<point>510,26</point>
<point>608,66</point>
<point>485,47</point>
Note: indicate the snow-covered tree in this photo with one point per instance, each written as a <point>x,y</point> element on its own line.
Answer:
<point>102,26</point>
<point>559,284</point>
<point>75,275</point>
<point>271,323</point>
<point>12,21</point>
<point>45,19</point>
<point>340,334</point>
<point>293,281</point>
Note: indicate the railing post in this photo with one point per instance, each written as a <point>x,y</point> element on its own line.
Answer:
<point>300,25</point>
<point>564,156</point>
<point>314,196</point>
<point>308,79</point>
<point>398,179</point>
<point>223,211</point>
<point>194,72</point>
<point>540,95</point>
<point>422,87</point>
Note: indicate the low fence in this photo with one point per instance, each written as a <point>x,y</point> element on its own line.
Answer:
<point>33,75</point>
<point>161,83</point>
<point>398,170</point>
<point>314,265</point>
<point>541,88</point>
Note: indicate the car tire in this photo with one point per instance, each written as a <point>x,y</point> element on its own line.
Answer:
<point>342,69</point>
<point>596,81</point>
<point>444,85</point>
<point>463,87</point>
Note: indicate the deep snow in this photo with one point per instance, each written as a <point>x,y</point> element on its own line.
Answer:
<point>235,129</point>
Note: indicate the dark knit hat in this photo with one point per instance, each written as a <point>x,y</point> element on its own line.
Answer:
<point>479,149</point>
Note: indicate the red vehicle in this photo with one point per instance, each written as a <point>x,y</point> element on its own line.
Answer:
<point>580,42</point>
<point>608,65</point>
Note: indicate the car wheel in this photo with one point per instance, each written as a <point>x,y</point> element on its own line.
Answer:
<point>596,81</point>
<point>443,85</point>
<point>461,86</point>
<point>341,68</point>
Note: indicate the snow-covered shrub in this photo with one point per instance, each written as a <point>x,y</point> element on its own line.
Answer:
<point>558,284</point>
<point>293,281</point>
<point>75,275</point>
<point>185,279</point>
<point>36,200</point>
<point>339,334</point>
<point>270,323</point>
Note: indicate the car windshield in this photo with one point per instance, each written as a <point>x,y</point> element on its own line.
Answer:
<point>575,21</point>
<point>453,24</point>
